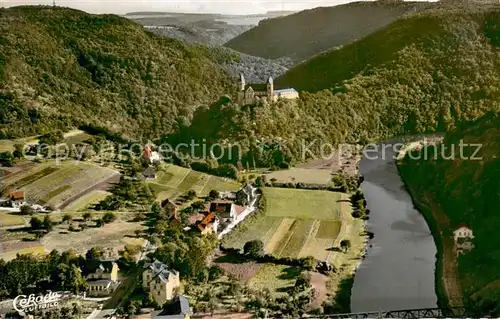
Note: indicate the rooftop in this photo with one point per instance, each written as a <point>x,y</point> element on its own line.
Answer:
<point>161,271</point>
<point>16,195</point>
<point>177,309</point>
<point>289,90</point>
<point>206,221</point>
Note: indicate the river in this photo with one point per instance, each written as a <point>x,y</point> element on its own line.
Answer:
<point>398,271</point>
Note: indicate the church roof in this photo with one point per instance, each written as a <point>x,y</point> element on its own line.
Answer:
<point>257,87</point>
<point>289,90</point>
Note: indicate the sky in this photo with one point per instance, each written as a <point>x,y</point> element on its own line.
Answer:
<point>200,6</point>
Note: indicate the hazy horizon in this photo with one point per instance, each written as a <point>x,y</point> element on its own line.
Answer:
<point>198,6</point>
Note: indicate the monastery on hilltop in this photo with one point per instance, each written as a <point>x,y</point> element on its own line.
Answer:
<point>250,93</point>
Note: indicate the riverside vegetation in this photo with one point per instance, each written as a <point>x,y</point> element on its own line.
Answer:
<point>454,191</point>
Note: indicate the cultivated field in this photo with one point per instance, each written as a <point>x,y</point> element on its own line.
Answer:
<point>113,235</point>
<point>297,223</point>
<point>277,278</point>
<point>300,223</point>
<point>345,158</point>
<point>173,181</point>
<point>87,200</point>
<point>8,219</point>
<point>301,175</point>
<point>60,184</point>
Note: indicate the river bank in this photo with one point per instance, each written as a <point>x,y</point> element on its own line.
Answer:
<point>447,285</point>
<point>399,269</point>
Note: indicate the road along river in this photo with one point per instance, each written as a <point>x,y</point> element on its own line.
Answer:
<point>398,271</point>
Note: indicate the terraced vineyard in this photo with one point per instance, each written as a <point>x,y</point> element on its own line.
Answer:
<point>173,181</point>
<point>58,185</point>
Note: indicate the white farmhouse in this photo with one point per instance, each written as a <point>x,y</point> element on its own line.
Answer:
<point>464,232</point>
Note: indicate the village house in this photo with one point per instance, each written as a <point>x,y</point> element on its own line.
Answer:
<point>209,224</point>
<point>160,281</point>
<point>150,156</point>
<point>463,239</point>
<point>104,279</point>
<point>250,93</point>
<point>17,199</point>
<point>149,173</point>
<point>178,309</point>
<point>172,212</point>
<point>463,232</point>
<point>227,212</point>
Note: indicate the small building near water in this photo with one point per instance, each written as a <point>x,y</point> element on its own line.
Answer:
<point>463,236</point>
<point>463,232</point>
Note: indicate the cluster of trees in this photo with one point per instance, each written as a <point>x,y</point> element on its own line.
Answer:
<point>346,183</point>
<point>295,303</point>
<point>51,138</point>
<point>134,306</point>
<point>466,191</point>
<point>41,225</point>
<point>55,271</point>
<point>212,167</point>
<point>358,202</point>
<point>127,193</point>
<point>185,252</point>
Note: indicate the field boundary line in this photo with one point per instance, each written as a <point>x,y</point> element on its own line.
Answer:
<point>314,230</point>
<point>183,178</point>
<point>290,233</point>
<point>209,177</point>
<point>269,230</point>
<point>272,242</point>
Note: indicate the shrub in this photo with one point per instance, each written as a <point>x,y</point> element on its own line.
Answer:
<point>108,217</point>
<point>254,248</point>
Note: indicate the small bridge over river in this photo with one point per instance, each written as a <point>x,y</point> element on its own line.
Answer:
<point>408,313</point>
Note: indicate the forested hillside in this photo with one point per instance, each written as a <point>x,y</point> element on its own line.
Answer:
<point>61,68</point>
<point>452,39</point>
<point>465,189</point>
<point>426,73</point>
<point>421,74</point>
<point>306,33</point>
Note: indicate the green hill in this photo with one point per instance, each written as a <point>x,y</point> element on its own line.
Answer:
<point>464,189</point>
<point>63,68</point>
<point>445,37</point>
<point>306,33</point>
<point>425,73</point>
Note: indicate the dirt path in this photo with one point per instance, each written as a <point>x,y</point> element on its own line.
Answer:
<point>450,278</point>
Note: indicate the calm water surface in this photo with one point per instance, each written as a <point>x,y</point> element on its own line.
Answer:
<point>398,271</point>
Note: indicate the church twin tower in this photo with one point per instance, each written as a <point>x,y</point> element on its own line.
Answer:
<point>250,93</point>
